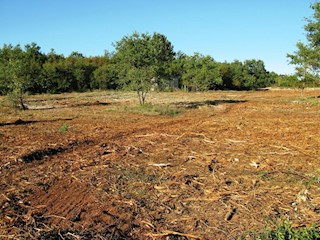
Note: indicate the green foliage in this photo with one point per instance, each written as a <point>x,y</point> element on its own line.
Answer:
<point>286,232</point>
<point>226,73</point>
<point>64,128</point>
<point>150,109</point>
<point>141,62</point>
<point>307,56</point>
<point>106,77</point>
<point>20,71</point>
<point>144,59</point>
<point>200,73</point>
<point>256,75</point>
<point>156,109</point>
<point>287,81</point>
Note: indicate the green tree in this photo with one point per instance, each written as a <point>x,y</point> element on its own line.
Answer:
<point>56,76</point>
<point>33,63</point>
<point>307,56</point>
<point>144,60</point>
<point>255,74</point>
<point>237,74</point>
<point>201,73</point>
<point>74,73</point>
<point>142,80</point>
<point>82,71</point>
<point>20,71</point>
<point>287,81</point>
<point>106,76</point>
<point>226,75</point>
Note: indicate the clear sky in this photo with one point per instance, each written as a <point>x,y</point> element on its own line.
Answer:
<point>224,29</point>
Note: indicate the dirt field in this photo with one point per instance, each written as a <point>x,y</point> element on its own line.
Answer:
<point>89,166</point>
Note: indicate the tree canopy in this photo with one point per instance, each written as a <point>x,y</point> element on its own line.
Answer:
<point>145,60</point>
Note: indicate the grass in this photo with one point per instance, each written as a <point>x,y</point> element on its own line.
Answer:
<point>285,231</point>
<point>150,109</point>
<point>310,100</point>
<point>64,128</point>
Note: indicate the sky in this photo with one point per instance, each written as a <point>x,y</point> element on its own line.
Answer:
<point>227,30</point>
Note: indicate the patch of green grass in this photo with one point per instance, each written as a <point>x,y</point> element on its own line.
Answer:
<point>264,175</point>
<point>64,128</point>
<point>285,231</point>
<point>157,109</point>
<point>150,109</point>
<point>308,101</point>
<point>314,178</point>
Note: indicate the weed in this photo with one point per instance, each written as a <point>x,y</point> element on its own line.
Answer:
<point>264,175</point>
<point>64,128</point>
<point>314,178</point>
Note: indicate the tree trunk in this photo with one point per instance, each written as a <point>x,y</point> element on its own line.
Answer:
<point>142,96</point>
<point>21,100</point>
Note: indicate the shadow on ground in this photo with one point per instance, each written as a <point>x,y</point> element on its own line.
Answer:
<point>194,105</point>
<point>23,122</point>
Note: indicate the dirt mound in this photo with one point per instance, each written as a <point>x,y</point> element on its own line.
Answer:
<point>75,209</point>
<point>71,204</point>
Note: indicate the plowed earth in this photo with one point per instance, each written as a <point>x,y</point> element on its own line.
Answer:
<point>83,166</point>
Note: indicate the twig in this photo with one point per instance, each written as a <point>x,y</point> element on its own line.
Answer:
<point>202,199</point>
<point>166,233</point>
<point>155,134</point>
<point>146,135</point>
<point>160,164</point>
<point>8,236</point>
<point>60,235</point>
<point>208,141</point>
<point>73,235</point>
<point>280,147</point>
<point>217,229</point>
<point>235,141</point>
<point>49,216</point>
<point>294,173</point>
<point>278,153</point>
<point>5,197</point>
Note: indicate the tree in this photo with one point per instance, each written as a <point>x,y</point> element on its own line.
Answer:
<point>11,72</point>
<point>226,75</point>
<point>144,59</point>
<point>142,80</point>
<point>106,76</point>
<point>237,74</point>
<point>20,71</point>
<point>307,56</point>
<point>201,73</point>
<point>255,74</point>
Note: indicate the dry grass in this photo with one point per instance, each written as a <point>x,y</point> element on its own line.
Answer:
<point>229,164</point>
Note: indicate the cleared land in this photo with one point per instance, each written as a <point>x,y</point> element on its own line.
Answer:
<point>216,165</point>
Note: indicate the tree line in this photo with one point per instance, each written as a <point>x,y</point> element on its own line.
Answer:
<point>140,62</point>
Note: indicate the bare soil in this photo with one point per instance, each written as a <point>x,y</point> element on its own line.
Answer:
<point>83,166</point>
